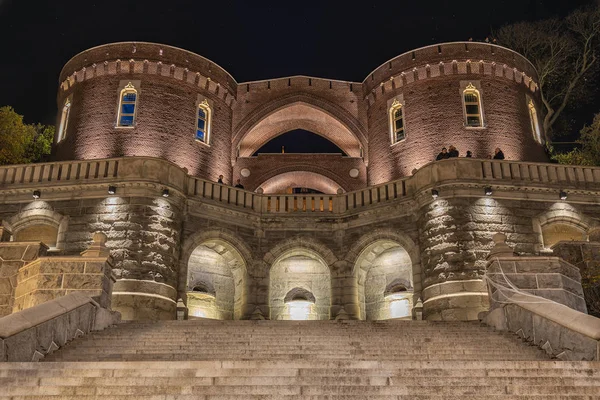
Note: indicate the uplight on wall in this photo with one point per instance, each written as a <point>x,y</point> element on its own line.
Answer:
<point>37,194</point>
<point>562,195</point>
<point>434,193</point>
<point>165,193</point>
<point>488,190</point>
<point>112,189</point>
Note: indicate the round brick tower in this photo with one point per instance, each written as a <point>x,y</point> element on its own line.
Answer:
<point>438,88</point>
<point>169,85</point>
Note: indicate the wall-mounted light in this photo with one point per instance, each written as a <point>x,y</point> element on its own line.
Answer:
<point>37,194</point>
<point>434,193</point>
<point>562,195</point>
<point>112,189</point>
<point>165,193</point>
<point>488,190</point>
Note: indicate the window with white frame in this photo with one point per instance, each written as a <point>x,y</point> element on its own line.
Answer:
<point>127,106</point>
<point>397,122</point>
<point>472,106</point>
<point>203,122</point>
<point>535,124</point>
<point>64,121</point>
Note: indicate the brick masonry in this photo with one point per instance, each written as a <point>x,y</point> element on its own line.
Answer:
<point>352,114</point>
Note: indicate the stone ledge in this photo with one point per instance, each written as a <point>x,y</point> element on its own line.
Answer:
<point>21,321</point>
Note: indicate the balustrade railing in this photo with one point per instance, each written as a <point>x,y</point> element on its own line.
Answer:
<point>166,173</point>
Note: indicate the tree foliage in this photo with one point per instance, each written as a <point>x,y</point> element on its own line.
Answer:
<point>564,52</point>
<point>22,143</point>
<point>589,153</point>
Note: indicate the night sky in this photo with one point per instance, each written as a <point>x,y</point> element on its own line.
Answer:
<point>251,40</point>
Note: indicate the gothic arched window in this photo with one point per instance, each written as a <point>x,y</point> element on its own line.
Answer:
<point>64,121</point>
<point>203,122</point>
<point>535,124</point>
<point>127,106</point>
<point>397,122</point>
<point>472,104</point>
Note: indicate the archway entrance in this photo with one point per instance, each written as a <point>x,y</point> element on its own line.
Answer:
<point>216,281</point>
<point>385,281</point>
<point>300,286</point>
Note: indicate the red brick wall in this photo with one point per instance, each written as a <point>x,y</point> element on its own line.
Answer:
<point>334,167</point>
<point>428,78</point>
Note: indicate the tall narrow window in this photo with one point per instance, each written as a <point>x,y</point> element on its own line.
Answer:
<point>535,124</point>
<point>397,122</point>
<point>203,123</point>
<point>127,106</point>
<point>472,103</point>
<point>64,121</point>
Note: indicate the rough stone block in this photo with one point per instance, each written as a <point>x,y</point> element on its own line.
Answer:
<point>55,267</point>
<point>2,350</point>
<point>83,281</point>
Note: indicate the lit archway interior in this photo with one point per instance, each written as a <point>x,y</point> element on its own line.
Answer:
<point>300,287</point>
<point>44,233</point>
<point>299,116</point>
<point>553,233</point>
<point>300,179</point>
<point>216,281</point>
<point>385,281</point>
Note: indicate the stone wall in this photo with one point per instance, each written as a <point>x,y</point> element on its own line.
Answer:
<point>586,257</point>
<point>13,256</point>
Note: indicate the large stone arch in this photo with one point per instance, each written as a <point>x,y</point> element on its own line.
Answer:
<point>300,111</point>
<point>298,178</point>
<point>39,222</point>
<point>386,266</point>
<point>300,265</point>
<point>566,216</point>
<point>215,260</point>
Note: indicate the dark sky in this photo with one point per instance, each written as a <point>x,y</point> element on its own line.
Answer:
<point>252,40</point>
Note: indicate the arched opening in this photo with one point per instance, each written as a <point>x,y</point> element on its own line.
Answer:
<point>295,181</point>
<point>299,141</point>
<point>302,116</point>
<point>385,281</point>
<point>300,286</point>
<point>558,231</point>
<point>216,281</point>
<point>47,234</point>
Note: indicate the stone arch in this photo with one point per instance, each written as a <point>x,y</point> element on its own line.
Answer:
<point>299,271</point>
<point>300,242</point>
<point>300,111</point>
<point>278,182</point>
<point>39,222</point>
<point>570,224</point>
<point>386,266</point>
<point>217,260</point>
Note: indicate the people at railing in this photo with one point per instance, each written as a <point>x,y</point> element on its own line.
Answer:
<point>443,154</point>
<point>452,152</point>
<point>238,184</point>
<point>498,154</point>
<point>220,180</point>
<point>469,154</point>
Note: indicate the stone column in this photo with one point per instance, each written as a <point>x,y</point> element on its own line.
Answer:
<point>452,263</point>
<point>344,292</point>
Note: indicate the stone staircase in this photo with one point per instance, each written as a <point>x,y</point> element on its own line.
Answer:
<point>268,360</point>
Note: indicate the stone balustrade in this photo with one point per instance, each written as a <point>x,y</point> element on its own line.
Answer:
<point>129,170</point>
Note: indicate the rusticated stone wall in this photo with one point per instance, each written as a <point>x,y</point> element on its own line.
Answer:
<point>586,257</point>
<point>13,256</point>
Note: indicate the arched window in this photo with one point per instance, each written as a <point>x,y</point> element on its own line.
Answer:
<point>203,123</point>
<point>397,122</point>
<point>472,103</point>
<point>535,124</point>
<point>64,121</point>
<point>127,105</point>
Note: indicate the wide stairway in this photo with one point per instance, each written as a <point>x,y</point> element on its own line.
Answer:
<point>279,360</point>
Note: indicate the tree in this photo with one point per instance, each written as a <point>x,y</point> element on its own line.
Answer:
<point>589,153</point>
<point>564,52</point>
<point>22,143</point>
